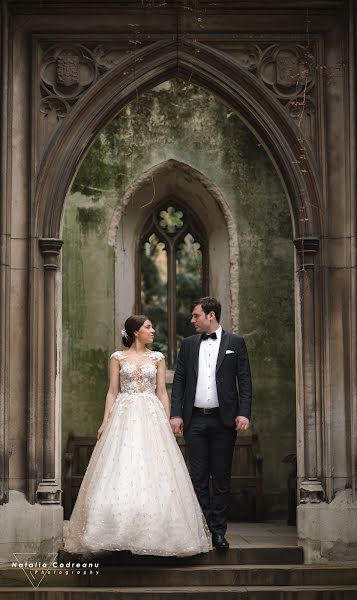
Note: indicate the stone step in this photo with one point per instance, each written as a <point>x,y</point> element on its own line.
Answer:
<point>188,593</point>
<point>193,576</point>
<point>227,575</point>
<point>261,555</point>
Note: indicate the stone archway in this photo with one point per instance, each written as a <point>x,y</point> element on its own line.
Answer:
<point>212,69</point>
<point>281,138</point>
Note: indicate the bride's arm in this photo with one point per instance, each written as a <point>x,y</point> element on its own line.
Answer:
<point>112,393</point>
<point>161,387</point>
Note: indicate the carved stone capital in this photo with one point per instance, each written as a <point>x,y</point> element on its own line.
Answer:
<point>48,492</point>
<point>311,491</point>
<point>307,248</point>
<point>50,249</point>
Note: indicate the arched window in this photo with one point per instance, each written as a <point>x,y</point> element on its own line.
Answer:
<point>173,272</point>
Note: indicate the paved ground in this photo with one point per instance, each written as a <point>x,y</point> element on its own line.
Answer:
<point>259,535</point>
<point>251,535</point>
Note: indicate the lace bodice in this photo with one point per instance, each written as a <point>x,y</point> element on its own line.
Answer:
<point>138,377</point>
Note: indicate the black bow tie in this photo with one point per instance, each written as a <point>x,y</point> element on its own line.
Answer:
<point>205,336</point>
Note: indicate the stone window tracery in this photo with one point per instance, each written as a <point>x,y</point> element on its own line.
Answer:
<point>172,272</point>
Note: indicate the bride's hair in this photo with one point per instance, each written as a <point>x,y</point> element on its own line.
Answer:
<point>131,325</point>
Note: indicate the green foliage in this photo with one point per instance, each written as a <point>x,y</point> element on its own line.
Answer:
<point>154,294</point>
<point>96,173</point>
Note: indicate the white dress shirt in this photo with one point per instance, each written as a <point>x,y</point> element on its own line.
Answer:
<point>206,390</point>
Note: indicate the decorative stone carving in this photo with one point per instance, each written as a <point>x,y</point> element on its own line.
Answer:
<point>67,71</point>
<point>288,70</point>
<point>109,56</point>
<point>248,56</point>
<point>52,112</point>
<point>52,105</point>
<point>53,108</point>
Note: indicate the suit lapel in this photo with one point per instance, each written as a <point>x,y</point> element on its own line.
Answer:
<point>222,349</point>
<point>196,352</point>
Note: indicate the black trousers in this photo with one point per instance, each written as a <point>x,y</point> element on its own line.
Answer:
<point>210,448</point>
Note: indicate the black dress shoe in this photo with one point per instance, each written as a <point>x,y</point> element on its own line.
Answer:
<point>219,541</point>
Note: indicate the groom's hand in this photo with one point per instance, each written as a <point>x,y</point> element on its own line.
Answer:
<point>176,425</point>
<point>242,423</point>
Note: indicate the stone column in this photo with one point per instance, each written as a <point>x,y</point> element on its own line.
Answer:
<point>48,491</point>
<point>4,260</point>
<point>310,475</point>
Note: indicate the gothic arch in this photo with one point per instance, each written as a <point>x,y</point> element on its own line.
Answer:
<point>221,75</point>
<point>177,179</point>
<point>209,68</point>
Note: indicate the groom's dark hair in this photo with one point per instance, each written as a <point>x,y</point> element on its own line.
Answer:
<point>209,304</point>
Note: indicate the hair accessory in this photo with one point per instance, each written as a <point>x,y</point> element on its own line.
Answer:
<point>124,333</point>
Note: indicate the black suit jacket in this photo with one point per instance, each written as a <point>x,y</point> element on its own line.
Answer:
<point>231,369</point>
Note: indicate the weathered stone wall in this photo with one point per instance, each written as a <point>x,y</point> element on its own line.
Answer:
<point>184,122</point>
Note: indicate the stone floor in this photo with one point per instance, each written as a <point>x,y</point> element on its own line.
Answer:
<point>268,534</point>
<point>264,563</point>
<point>247,537</point>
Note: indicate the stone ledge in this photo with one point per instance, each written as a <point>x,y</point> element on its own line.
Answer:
<point>328,532</point>
<point>26,527</point>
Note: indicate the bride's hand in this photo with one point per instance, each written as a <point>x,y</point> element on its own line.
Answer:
<point>100,430</point>
<point>176,425</point>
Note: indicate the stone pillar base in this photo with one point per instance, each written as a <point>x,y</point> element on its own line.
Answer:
<point>32,528</point>
<point>328,532</point>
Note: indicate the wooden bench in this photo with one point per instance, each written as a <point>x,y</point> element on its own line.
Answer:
<point>246,482</point>
<point>78,452</point>
<point>292,487</point>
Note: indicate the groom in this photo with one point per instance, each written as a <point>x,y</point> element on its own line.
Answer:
<point>206,407</point>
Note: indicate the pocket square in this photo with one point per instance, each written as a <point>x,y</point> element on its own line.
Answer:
<point>229,351</point>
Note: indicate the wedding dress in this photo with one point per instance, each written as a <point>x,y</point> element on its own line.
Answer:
<point>137,494</point>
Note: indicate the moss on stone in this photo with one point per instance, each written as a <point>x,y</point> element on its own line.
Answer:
<point>90,219</point>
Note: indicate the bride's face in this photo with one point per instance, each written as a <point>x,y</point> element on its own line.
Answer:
<point>145,335</point>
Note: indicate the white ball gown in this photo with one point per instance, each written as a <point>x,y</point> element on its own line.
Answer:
<point>137,494</point>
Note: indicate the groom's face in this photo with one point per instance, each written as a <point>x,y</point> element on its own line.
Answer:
<point>200,320</point>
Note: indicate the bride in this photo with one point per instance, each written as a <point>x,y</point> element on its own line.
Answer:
<point>137,494</point>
